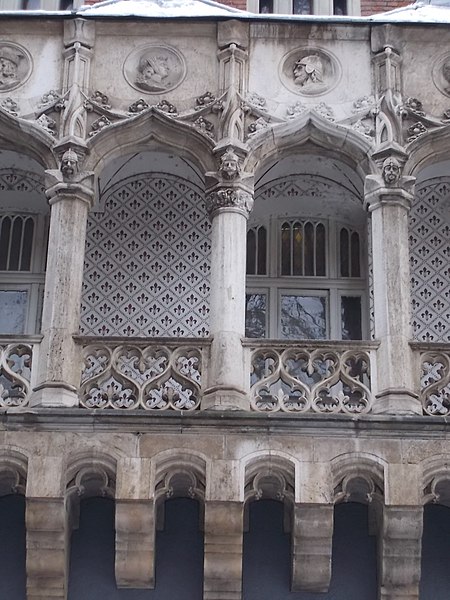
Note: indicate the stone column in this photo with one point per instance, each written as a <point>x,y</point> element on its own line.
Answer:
<point>224,516</point>
<point>400,542</point>
<point>135,525</point>
<point>47,531</point>
<point>229,202</point>
<point>312,529</point>
<point>388,198</point>
<point>70,195</point>
<point>312,536</point>
<point>223,550</point>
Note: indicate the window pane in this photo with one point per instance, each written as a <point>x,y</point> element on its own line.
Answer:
<point>27,245</point>
<point>16,244</point>
<point>251,252</point>
<point>5,233</point>
<point>303,317</point>
<point>255,315</point>
<point>356,271</point>
<point>344,253</point>
<point>301,7</point>
<point>265,6</point>
<point>13,307</point>
<point>309,249</point>
<point>320,250</point>
<point>339,7</point>
<point>285,249</point>
<point>262,251</point>
<point>351,318</point>
<point>297,249</point>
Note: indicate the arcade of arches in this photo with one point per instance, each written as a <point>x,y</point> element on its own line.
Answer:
<point>225,314</point>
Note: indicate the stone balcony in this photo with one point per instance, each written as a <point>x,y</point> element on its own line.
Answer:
<point>317,377</point>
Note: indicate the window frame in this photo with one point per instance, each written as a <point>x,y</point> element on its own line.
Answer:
<point>332,283</point>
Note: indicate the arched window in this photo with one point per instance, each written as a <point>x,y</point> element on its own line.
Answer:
<point>23,239</point>
<point>306,253</point>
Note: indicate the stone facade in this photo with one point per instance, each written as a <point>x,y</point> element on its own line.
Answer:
<point>158,144</point>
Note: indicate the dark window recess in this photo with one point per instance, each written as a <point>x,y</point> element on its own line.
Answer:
<point>351,318</point>
<point>339,7</point>
<point>16,243</point>
<point>301,7</point>
<point>265,6</point>
<point>257,251</point>
<point>303,249</point>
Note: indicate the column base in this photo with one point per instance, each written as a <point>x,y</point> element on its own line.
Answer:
<point>397,401</point>
<point>54,394</point>
<point>225,398</point>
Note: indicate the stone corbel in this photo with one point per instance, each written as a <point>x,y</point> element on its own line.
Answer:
<point>70,180</point>
<point>312,535</point>
<point>390,185</point>
<point>400,546</point>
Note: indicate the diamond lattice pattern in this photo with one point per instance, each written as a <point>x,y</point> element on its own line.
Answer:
<point>147,261</point>
<point>429,242</point>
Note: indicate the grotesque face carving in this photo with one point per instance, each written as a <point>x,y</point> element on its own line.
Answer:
<point>69,164</point>
<point>391,171</point>
<point>229,165</point>
<point>308,71</point>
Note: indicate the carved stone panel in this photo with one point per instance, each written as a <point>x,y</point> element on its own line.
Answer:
<point>15,66</point>
<point>154,69</point>
<point>147,261</point>
<point>309,71</point>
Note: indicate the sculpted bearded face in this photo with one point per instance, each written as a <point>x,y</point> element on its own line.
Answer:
<point>391,171</point>
<point>229,165</point>
<point>69,164</point>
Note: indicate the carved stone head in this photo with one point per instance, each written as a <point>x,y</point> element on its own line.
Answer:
<point>391,170</point>
<point>308,71</point>
<point>229,165</point>
<point>69,164</point>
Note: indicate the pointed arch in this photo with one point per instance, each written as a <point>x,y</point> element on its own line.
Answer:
<point>13,471</point>
<point>358,476</point>
<point>20,135</point>
<point>316,134</point>
<point>429,148</point>
<point>150,130</point>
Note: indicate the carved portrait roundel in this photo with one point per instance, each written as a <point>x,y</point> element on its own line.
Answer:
<point>441,74</point>
<point>154,69</point>
<point>309,71</point>
<point>15,66</point>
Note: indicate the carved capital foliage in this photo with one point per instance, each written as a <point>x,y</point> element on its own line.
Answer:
<point>233,199</point>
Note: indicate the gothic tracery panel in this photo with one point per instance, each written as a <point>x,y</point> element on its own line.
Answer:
<point>147,261</point>
<point>429,242</point>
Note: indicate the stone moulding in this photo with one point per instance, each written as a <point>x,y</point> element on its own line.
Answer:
<point>435,381</point>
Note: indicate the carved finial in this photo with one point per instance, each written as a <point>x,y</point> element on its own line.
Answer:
<point>230,167</point>
<point>69,164</point>
<point>391,171</point>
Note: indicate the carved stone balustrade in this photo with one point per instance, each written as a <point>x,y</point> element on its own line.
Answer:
<point>434,370</point>
<point>322,377</point>
<point>135,374</point>
<point>15,372</point>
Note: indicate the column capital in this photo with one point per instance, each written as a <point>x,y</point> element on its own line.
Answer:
<point>378,192</point>
<point>235,198</point>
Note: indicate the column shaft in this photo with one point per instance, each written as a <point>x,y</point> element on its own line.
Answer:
<point>391,284</point>
<point>59,360</point>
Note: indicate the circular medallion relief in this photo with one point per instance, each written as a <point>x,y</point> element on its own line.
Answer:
<point>154,69</point>
<point>15,66</point>
<point>309,71</point>
<point>441,74</point>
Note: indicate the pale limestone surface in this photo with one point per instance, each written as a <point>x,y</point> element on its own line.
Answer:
<point>232,92</point>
